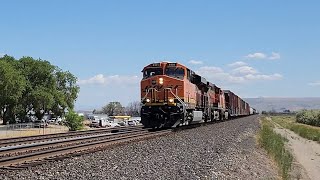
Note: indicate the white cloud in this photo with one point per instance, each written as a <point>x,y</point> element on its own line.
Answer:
<point>242,74</point>
<point>259,55</point>
<point>243,70</point>
<point>217,74</point>
<point>237,64</point>
<point>101,79</point>
<point>316,83</point>
<point>1,55</point>
<point>100,89</point>
<point>98,79</point>
<point>195,62</point>
<point>274,56</point>
<point>211,69</point>
<point>270,77</point>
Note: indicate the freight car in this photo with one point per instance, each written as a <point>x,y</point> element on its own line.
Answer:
<point>173,95</point>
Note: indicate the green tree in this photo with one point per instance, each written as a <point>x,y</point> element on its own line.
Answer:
<point>38,96</point>
<point>30,85</point>
<point>12,85</point>
<point>73,121</point>
<point>113,109</point>
<point>66,92</point>
<point>49,89</point>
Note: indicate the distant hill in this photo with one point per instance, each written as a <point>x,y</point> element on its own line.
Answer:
<point>280,104</point>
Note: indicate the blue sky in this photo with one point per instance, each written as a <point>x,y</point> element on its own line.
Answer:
<point>107,43</point>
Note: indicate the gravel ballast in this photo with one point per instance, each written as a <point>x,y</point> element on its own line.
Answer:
<point>226,150</point>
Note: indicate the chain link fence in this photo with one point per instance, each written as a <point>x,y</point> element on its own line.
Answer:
<point>29,129</point>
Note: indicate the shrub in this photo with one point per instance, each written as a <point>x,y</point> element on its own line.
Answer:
<point>310,117</point>
<point>73,121</point>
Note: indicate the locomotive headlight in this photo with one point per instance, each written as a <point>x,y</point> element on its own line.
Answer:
<point>147,100</point>
<point>171,100</point>
<point>161,81</point>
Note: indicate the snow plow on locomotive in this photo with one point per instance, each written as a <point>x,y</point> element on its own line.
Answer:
<point>173,95</point>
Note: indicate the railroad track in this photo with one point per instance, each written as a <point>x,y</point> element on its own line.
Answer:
<point>20,153</point>
<point>51,137</point>
<point>20,156</point>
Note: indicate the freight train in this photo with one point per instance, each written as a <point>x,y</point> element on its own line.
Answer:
<point>173,95</point>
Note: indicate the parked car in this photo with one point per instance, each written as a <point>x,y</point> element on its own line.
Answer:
<point>113,124</point>
<point>122,123</point>
<point>102,122</point>
<point>52,120</point>
<point>136,119</point>
<point>131,123</point>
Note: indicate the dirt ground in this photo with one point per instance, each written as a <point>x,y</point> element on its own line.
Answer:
<point>52,129</point>
<point>306,154</point>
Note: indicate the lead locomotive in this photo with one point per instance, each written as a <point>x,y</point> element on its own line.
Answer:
<point>173,95</point>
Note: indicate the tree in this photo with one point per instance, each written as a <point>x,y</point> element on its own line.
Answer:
<point>66,91</point>
<point>12,85</point>
<point>113,109</point>
<point>30,85</point>
<point>133,109</point>
<point>49,89</point>
<point>73,121</point>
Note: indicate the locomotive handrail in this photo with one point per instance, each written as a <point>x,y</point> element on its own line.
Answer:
<point>145,95</point>
<point>179,99</point>
<point>148,91</point>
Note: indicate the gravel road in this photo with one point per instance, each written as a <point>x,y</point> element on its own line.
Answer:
<point>225,150</point>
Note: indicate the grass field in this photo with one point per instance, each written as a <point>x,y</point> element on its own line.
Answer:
<point>274,144</point>
<point>303,130</point>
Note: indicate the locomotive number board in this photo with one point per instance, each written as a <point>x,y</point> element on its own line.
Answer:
<point>156,65</point>
<point>172,64</point>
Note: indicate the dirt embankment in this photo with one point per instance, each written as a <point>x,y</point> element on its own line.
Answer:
<point>306,153</point>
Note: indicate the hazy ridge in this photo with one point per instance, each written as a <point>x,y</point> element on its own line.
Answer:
<point>280,104</point>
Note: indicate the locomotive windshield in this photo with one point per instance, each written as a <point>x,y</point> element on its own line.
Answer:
<point>152,72</point>
<point>175,72</point>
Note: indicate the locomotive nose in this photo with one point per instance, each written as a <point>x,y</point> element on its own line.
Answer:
<point>154,82</point>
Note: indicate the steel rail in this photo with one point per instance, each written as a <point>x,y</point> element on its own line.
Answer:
<point>30,139</point>
<point>11,162</point>
<point>36,146</point>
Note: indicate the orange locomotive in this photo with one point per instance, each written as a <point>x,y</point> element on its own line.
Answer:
<point>173,95</point>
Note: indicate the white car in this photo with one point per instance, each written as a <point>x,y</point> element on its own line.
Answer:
<point>52,120</point>
<point>132,123</point>
<point>113,124</point>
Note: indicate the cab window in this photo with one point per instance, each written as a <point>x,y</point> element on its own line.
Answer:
<point>175,72</point>
<point>152,72</point>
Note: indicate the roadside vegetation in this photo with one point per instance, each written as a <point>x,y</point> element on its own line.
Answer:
<point>34,86</point>
<point>274,144</point>
<point>310,117</point>
<point>74,122</point>
<point>303,130</point>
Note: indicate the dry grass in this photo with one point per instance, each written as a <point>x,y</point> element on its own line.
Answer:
<point>303,130</point>
<point>274,144</point>
<point>52,129</point>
